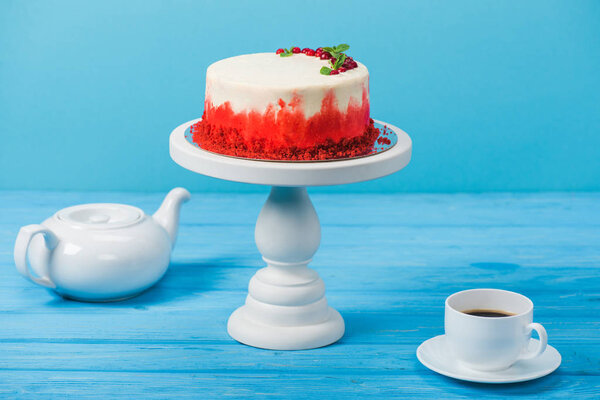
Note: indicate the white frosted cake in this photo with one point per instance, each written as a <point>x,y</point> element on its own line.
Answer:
<point>285,107</point>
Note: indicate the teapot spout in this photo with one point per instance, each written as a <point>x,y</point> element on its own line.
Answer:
<point>167,215</point>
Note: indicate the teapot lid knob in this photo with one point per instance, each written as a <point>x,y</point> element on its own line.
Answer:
<point>98,218</point>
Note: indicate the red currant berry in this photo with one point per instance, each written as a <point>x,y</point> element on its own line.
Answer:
<point>305,50</point>
<point>310,52</point>
<point>334,72</point>
<point>279,51</point>
<point>325,56</point>
<point>342,69</point>
<point>319,49</point>
<point>296,50</point>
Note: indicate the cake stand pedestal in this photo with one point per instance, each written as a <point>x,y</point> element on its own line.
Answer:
<point>286,308</point>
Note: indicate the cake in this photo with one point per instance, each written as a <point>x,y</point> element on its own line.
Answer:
<point>288,105</point>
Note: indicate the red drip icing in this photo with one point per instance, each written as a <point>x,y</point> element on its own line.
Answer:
<point>285,133</point>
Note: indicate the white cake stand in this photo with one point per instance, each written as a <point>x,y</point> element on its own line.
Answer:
<point>286,308</point>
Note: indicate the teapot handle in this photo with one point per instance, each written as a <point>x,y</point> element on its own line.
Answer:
<point>22,245</point>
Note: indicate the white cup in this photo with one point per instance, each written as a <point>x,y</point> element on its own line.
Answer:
<point>491,343</point>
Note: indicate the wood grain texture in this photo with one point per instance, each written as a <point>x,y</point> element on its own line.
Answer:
<point>388,262</point>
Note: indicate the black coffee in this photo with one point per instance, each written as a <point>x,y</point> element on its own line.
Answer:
<point>488,313</point>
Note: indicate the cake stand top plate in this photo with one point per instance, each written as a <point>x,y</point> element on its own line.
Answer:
<point>278,173</point>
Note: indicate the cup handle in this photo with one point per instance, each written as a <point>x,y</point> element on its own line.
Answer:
<point>541,331</point>
<point>22,245</point>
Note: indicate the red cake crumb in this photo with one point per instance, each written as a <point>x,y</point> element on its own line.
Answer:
<point>383,140</point>
<point>230,141</point>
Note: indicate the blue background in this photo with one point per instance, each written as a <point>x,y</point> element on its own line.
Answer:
<point>497,96</point>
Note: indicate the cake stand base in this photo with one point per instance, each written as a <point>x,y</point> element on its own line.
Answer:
<point>248,331</point>
<point>286,308</point>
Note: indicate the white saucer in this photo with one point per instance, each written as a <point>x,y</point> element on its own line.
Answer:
<point>434,354</point>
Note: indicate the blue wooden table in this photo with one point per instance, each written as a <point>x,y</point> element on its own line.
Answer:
<point>388,262</point>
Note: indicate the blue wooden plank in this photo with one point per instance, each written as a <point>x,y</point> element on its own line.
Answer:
<point>387,269</point>
<point>281,384</point>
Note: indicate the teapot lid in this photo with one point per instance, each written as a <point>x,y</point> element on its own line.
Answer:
<point>100,215</point>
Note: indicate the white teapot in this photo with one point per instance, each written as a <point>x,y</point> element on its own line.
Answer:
<point>100,252</point>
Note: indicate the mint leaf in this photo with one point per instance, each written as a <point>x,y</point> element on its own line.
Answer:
<point>341,48</point>
<point>337,57</point>
<point>286,52</point>
<point>340,60</point>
